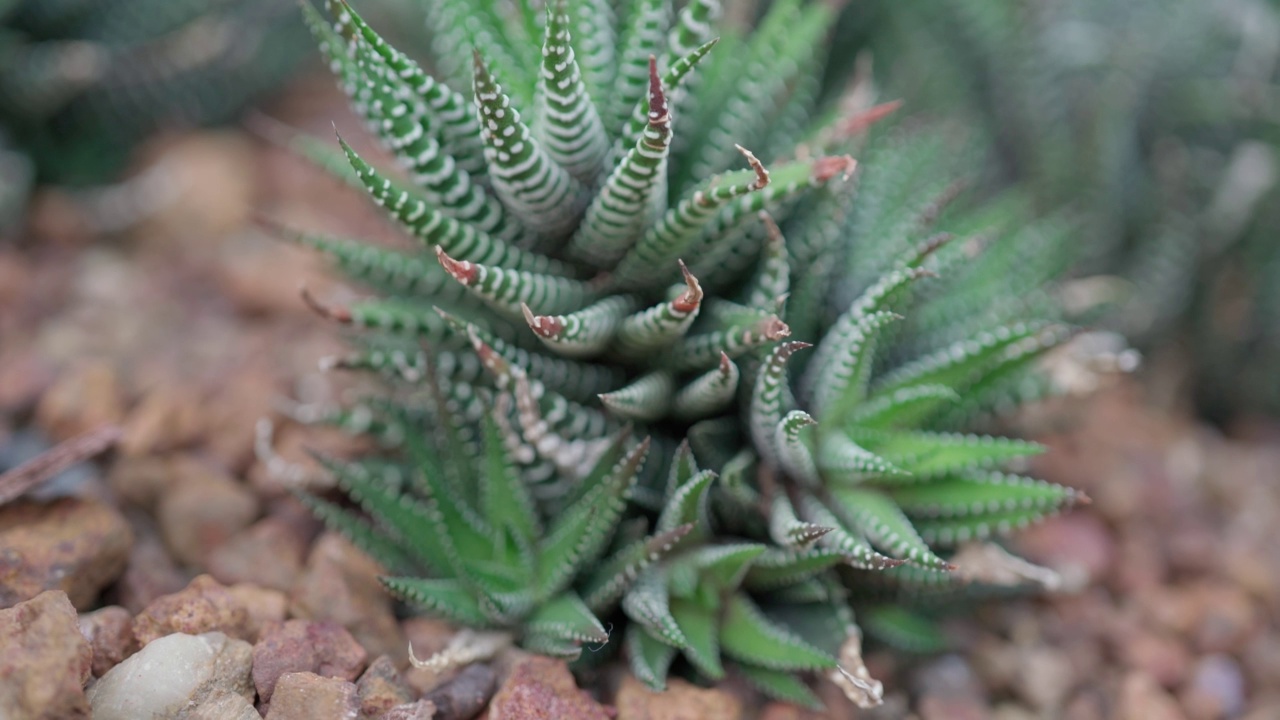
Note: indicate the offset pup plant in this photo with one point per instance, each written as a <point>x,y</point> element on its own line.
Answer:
<point>637,399</point>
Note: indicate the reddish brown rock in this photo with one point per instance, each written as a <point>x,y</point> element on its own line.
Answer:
<point>203,606</point>
<point>168,417</point>
<point>140,480</point>
<point>1076,544</point>
<point>1045,676</point>
<point>202,511</point>
<point>543,689</point>
<point>45,660</point>
<point>1141,698</point>
<point>110,634</point>
<point>320,647</point>
<point>263,605</point>
<point>381,688</point>
<point>340,583</point>
<point>680,701</point>
<point>786,711</point>
<point>307,696</point>
<point>73,545</point>
<point>1226,619</point>
<point>268,554</point>
<point>150,573</point>
<point>1164,657</point>
<point>84,398</point>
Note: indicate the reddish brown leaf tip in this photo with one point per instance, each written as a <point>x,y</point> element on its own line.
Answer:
<point>762,175</point>
<point>339,314</point>
<point>690,299</point>
<point>825,168</point>
<point>659,113</point>
<point>726,365</point>
<point>774,328</point>
<point>545,326</point>
<point>861,121</point>
<point>461,270</point>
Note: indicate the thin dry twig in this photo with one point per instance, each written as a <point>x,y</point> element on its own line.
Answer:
<point>49,463</point>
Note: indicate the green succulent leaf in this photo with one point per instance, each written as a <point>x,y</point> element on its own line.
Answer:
<point>781,685</point>
<point>749,637</point>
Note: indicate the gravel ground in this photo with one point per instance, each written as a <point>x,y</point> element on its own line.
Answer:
<point>179,549</point>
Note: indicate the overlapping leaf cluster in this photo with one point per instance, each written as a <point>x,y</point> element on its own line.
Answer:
<point>82,80</point>
<point>636,381</point>
<point>1149,119</point>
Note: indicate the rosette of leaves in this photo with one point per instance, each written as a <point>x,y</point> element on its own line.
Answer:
<point>82,80</point>
<point>1146,118</point>
<point>636,384</point>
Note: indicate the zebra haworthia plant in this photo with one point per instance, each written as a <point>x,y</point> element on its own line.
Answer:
<point>595,343</point>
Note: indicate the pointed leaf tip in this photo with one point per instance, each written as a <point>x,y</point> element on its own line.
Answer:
<point>774,328</point>
<point>691,298</point>
<point>545,326</point>
<point>825,168</point>
<point>659,112</point>
<point>462,270</point>
<point>762,175</point>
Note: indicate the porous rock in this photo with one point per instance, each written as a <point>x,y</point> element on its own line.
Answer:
<point>307,696</point>
<point>340,583</point>
<point>541,689</point>
<point>45,660</point>
<point>202,606</point>
<point>109,631</point>
<point>680,701</point>
<point>74,545</point>
<point>323,648</point>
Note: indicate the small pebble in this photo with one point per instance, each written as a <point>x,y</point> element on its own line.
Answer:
<point>340,583</point>
<point>202,511</point>
<point>203,606</point>
<point>109,631</point>
<point>307,696</point>
<point>1216,690</point>
<point>171,674</point>
<point>324,648</point>
<point>680,701</point>
<point>542,685</point>
<point>70,544</point>
<point>45,661</point>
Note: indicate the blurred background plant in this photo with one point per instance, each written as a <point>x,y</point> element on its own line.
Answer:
<point>83,81</point>
<point>1153,124</point>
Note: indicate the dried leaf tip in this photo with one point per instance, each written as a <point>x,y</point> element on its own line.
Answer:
<point>825,168</point>
<point>544,325</point>
<point>690,298</point>
<point>774,328</point>
<point>461,270</point>
<point>762,175</point>
<point>726,365</point>
<point>859,122</point>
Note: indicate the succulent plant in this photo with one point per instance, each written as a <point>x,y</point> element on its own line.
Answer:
<point>1147,118</point>
<point>83,80</point>
<point>635,383</point>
